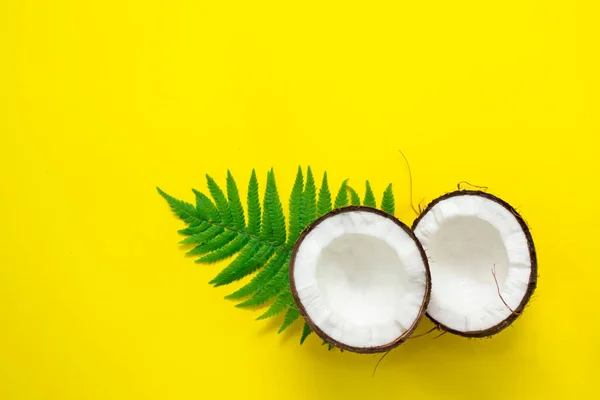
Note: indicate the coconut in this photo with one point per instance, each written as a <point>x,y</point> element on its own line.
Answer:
<point>360,278</point>
<point>482,259</point>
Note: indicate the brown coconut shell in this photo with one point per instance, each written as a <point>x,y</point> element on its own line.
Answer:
<point>532,254</point>
<point>309,321</point>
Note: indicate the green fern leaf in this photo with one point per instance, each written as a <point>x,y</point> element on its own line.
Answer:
<point>266,229</point>
<point>203,237</point>
<point>233,268</point>
<point>235,204</point>
<point>214,244</point>
<point>218,227</point>
<point>291,315</point>
<point>354,198</point>
<point>253,206</point>
<point>305,332</point>
<point>295,207</point>
<point>220,200</point>
<point>274,210</point>
<point>324,203</point>
<point>247,264</point>
<point>329,346</point>
<point>271,288</point>
<point>194,229</point>
<point>226,251</point>
<point>183,210</point>
<point>309,202</point>
<point>260,280</point>
<point>369,197</point>
<point>341,199</point>
<point>387,202</point>
<point>281,303</point>
<point>206,208</point>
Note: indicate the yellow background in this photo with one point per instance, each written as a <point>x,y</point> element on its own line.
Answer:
<point>102,101</point>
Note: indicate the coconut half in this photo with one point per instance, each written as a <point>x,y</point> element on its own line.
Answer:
<point>360,278</point>
<point>482,259</point>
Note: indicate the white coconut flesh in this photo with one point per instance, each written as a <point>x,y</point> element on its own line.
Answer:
<point>360,279</point>
<point>467,237</point>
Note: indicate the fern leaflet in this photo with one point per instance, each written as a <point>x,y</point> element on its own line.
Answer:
<point>269,289</point>
<point>341,200</point>
<point>183,210</point>
<point>324,203</point>
<point>275,211</point>
<point>220,200</point>
<point>295,207</point>
<point>213,244</point>
<point>291,315</point>
<point>281,303</point>
<point>259,282</point>
<point>309,202</point>
<point>305,332</point>
<point>204,236</point>
<point>354,197</point>
<point>194,229</point>
<point>387,202</point>
<point>226,251</point>
<point>251,259</point>
<point>205,207</point>
<point>369,199</point>
<point>253,206</point>
<point>235,204</point>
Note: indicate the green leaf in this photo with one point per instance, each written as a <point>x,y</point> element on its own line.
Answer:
<point>235,204</point>
<point>295,207</point>
<point>309,202</point>
<point>369,197</point>
<point>233,268</point>
<point>281,303</point>
<point>341,199</point>
<point>220,200</point>
<point>272,287</point>
<point>291,315</point>
<point>253,206</point>
<point>329,346</point>
<point>266,230</point>
<point>226,251</point>
<point>205,207</point>
<point>387,202</point>
<point>183,210</point>
<point>214,244</point>
<point>218,227</point>
<point>354,198</point>
<point>324,203</point>
<point>305,332</point>
<point>194,229</point>
<point>203,237</point>
<point>274,210</point>
<point>260,280</point>
<point>247,264</point>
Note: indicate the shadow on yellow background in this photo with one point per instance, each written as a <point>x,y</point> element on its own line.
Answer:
<point>102,101</point>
